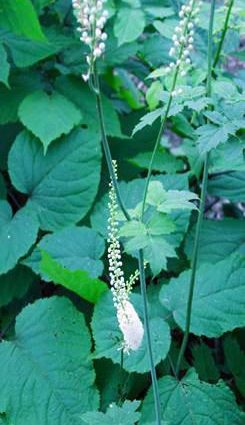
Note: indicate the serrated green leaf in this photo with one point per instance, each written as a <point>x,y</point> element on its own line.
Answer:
<point>115,415</point>
<point>204,363</point>
<point>132,228</point>
<point>147,119</point>
<point>153,94</point>
<point>5,67</point>
<point>217,302</point>
<point>47,375</point>
<point>14,284</point>
<point>77,281</point>
<point>79,93</point>
<point>163,161</point>
<point>82,250</point>
<point>108,337</point>
<point>59,116</point>
<point>17,234</point>
<point>21,18</point>
<point>219,239</point>
<point>167,201</point>
<point>61,185</point>
<point>129,24</point>
<point>190,401</point>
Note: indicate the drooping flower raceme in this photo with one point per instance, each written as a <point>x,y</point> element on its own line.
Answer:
<point>128,319</point>
<point>91,17</point>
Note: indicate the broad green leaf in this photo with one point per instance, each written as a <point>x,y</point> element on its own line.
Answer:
<point>217,303</point>
<point>204,363</point>
<point>17,234</point>
<point>61,185</point>
<point>59,116</point>
<point>26,52</point>
<point>164,162</point>
<point>129,24</point>
<point>108,337</point>
<point>82,250</point>
<point>219,239</point>
<point>79,93</point>
<point>168,201</point>
<point>14,284</point>
<point>47,375</point>
<point>133,228</point>
<point>152,94</point>
<point>115,415</point>
<point>77,281</point>
<point>193,402</point>
<point>5,67</point>
<point>10,98</point>
<point>228,157</point>
<point>157,251</point>
<point>230,185</point>
<point>235,360</point>
<point>21,18</point>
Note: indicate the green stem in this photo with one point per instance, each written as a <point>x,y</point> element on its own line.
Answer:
<point>148,338</point>
<point>202,204</point>
<point>96,89</point>
<point>224,31</point>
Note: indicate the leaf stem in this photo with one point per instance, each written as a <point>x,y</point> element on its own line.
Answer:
<point>224,31</point>
<point>148,338</point>
<point>202,203</point>
<point>96,89</point>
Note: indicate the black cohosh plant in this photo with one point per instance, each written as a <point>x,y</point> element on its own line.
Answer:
<point>91,16</point>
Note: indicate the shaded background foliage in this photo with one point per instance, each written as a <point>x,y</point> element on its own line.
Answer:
<point>59,354</point>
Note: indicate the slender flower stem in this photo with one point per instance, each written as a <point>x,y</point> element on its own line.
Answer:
<point>224,31</point>
<point>148,338</point>
<point>202,203</point>
<point>96,89</point>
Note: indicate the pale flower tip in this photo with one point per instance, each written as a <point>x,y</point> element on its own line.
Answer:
<point>131,326</point>
<point>85,77</point>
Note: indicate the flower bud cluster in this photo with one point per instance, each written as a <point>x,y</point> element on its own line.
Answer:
<point>183,39</point>
<point>128,320</point>
<point>91,18</point>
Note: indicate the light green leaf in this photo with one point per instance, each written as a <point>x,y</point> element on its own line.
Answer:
<point>132,228</point>
<point>219,240</point>
<point>147,119</point>
<point>167,201</point>
<point>82,250</point>
<point>115,415</point>
<point>129,24</point>
<point>153,94</point>
<point>61,185</point>
<point>160,224</point>
<point>14,284</point>
<point>108,337</point>
<point>230,185</point>
<point>21,18</point>
<point>204,363</point>
<point>163,161</point>
<point>59,116</point>
<point>77,281</point>
<point>157,251</point>
<point>217,303</point>
<point>79,93</point>
<point>47,375</point>
<point>5,67</point>
<point>192,402</point>
<point>17,234</point>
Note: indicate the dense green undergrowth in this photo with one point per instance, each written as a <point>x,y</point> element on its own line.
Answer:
<point>60,354</point>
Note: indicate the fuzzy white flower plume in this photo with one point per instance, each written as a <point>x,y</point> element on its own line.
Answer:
<point>128,319</point>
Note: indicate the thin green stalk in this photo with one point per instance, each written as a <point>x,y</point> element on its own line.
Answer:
<point>224,31</point>
<point>148,338</point>
<point>96,89</point>
<point>202,203</point>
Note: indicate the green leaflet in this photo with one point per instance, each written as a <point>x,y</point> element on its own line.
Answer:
<point>204,363</point>
<point>15,284</point>
<point>59,116</point>
<point>217,303</point>
<point>108,337</point>
<point>191,401</point>
<point>77,281</point>
<point>17,234</point>
<point>115,415</point>
<point>62,184</point>
<point>47,376</point>
<point>230,186</point>
<point>82,250</point>
<point>129,24</point>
